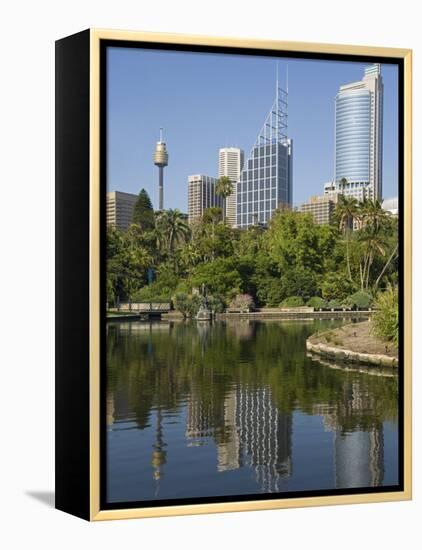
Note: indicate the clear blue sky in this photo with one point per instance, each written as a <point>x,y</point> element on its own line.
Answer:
<point>208,101</point>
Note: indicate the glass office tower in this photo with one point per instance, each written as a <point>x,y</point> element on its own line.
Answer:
<point>358,136</point>
<point>266,181</point>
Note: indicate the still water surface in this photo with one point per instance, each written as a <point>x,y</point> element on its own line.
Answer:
<point>237,408</point>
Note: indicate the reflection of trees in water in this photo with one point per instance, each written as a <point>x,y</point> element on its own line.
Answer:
<point>221,371</point>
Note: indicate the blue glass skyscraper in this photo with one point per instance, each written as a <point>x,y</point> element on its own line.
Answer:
<point>266,181</point>
<point>358,136</point>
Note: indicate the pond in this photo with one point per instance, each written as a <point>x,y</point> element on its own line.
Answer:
<point>236,408</point>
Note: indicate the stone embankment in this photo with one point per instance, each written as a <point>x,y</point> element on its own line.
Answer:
<point>354,343</point>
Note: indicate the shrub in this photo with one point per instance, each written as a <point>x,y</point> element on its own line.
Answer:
<point>243,302</point>
<point>152,293</point>
<point>269,290</point>
<point>316,302</point>
<point>386,316</point>
<point>182,303</point>
<point>293,301</point>
<point>188,305</point>
<point>216,303</point>
<point>193,304</point>
<point>336,287</point>
<point>360,299</point>
<point>335,304</point>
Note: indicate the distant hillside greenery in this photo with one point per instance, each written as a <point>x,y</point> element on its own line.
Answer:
<point>291,261</point>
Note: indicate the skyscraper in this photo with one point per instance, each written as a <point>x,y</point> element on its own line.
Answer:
<point>201,195</point>
<point>266,182</point>
<point>358,136</point>
<point>230,164</point>
<point>120,208</point>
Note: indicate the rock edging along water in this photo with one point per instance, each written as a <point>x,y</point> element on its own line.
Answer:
<point>346,355</point>
<point>292,314</point>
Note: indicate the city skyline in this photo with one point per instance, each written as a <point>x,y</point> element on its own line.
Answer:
<point>138,106</point>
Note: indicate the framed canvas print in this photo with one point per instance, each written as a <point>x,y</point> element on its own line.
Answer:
<point>233,280</point>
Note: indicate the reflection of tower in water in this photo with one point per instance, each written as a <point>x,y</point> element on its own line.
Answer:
<point>159,454</point>
<point>265,437</point>
<point>248,430</point>
<point>359,454</point>
<point>359,458</point>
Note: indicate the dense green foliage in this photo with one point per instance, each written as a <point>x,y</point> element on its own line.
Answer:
<point>360,300</point>
<point>316,302</point>
<point>291,257</point>
<point>143,213</point>
<point>293,301</point>
<point>386,316</point>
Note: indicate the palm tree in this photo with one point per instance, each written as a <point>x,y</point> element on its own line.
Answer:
<point>373,244</point>
<point>373,214</point>
<point>346,212</point>
<point>224,189</point>
<point>173,228</point>
<point>374,220</point>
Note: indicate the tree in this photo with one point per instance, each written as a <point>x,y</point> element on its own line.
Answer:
<point>386,316</point>
<point>335,286</point>
<point>127,262</point>
<point>173,227</point>
<point>373,214</point>
<point>143,213</point>
<point>224,189</point>
<point>294,243</point>
<point>346,212</point>
<point>372,244</point>
<point>220,277</point>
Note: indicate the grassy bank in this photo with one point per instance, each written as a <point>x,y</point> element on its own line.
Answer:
<point>356,342</point>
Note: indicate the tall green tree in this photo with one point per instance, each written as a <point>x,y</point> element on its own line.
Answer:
<point>224,189</point>
<point>143,213</point>
<point>372,214</point>
<point>173,227</point>
<point>346,212</point>
<point>127,262</point>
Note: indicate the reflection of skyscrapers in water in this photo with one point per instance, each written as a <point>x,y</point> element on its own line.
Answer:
<point>358,451</point>
<point>359,458</point>
<point>228,450</point>
<point>265,436</point>
<point>249,430</point>
<point>200,417</point>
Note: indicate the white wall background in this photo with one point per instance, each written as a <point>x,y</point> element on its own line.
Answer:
<point>27,36</point>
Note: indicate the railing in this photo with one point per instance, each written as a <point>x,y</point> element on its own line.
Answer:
<point>144,307</point>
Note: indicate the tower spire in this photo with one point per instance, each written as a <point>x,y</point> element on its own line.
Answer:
<point>161,160</point>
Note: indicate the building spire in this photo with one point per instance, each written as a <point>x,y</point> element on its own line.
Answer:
<point>161,134</point>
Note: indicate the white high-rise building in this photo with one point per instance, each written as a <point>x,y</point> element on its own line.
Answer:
<point>358,136</point>
<point>230,164</point>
